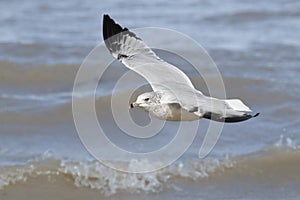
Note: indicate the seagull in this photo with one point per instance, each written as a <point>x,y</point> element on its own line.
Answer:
<point>174,98</point>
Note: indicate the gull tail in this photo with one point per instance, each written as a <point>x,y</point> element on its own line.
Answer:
<point>235,111</point>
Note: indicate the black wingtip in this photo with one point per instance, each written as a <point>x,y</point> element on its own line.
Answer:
<point>256,115</point>
<point>110,27</point>
<point>240,118</point>
<point>231,119</point>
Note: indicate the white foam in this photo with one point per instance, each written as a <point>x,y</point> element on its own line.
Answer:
<point>108,181</point>
<point>286,142</point>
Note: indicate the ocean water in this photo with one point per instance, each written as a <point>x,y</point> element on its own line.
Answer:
<point>256,47</point>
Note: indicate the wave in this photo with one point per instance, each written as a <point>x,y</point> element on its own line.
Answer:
<point>34,52</point>
<point>278,163</point>
<point>16,74</point>
<point>95,175</point>
<point>49,79</point>
<point>249,15</point>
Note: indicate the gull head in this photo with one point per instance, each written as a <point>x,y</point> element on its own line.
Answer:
<point>145,101</point>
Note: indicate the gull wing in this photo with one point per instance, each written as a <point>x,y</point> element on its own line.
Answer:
<point>130,50</point>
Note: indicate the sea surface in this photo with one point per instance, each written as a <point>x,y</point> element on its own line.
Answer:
<point>256,46</point>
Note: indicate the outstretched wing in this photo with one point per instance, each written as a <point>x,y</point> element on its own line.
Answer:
<point>130,50</point>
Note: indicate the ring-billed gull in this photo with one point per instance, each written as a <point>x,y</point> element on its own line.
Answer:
<point>174,97</point>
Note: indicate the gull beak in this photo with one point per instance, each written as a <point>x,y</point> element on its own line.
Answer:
<point>133,105</point>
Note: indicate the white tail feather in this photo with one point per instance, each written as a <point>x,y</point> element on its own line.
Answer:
<point>237,105</point>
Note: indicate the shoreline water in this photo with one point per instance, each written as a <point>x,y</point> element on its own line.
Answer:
<point>273,169</point>
<point>255,46</point>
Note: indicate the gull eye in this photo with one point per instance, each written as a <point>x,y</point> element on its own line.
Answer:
<point>147,99</point>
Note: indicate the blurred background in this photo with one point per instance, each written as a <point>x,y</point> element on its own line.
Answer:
<point>255,45</point>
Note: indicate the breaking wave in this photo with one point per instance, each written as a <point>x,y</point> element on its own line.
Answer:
<point>284,155</point>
